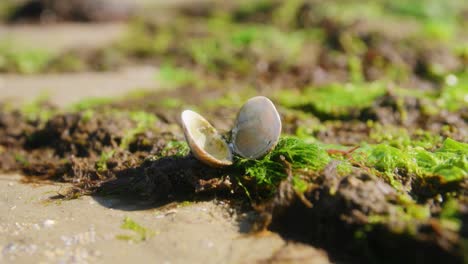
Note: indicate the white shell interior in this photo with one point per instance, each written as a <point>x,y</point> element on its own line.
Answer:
<point>257,129</point>
<point>204,141</point>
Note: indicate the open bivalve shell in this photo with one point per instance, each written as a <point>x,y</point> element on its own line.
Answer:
<point>255,133</point>
<point>257,128</point>
<point>206,143</point>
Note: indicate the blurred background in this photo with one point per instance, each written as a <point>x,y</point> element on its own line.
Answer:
<point>80,48</point>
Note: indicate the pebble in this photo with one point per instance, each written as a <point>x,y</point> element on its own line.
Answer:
<point>48,223</point>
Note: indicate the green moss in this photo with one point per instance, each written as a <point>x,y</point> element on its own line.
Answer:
<point>101,164</point>
<point>300,185</point>
<point>426,10</point>
<point>90,103</point>
<point>418,212</point>
<point>67,62</point>
<point>23,60</point>
<point>450,215</point>
<point>233,98</point>
<point>286,14</point>
<point>172,77</point>
<point>269,170</point>
<point>453,160</point>
<point>439,30</point>
<point>450,162</point>
<point>87,115</point>
<point>454,95</point>
<point>20,158</point>
<point>184,204</point>
<point>140,41</point>
<point>175,148</point>
<point>144,121</point>
<point>401,138</point>
<point>37,109</point>
<point>334,99</point>
<point>236,47</point>
<point>171,102</point>
<point>140,233</point>
<point>344,168</point>
<point>355,69</point>
<point>386,158</point>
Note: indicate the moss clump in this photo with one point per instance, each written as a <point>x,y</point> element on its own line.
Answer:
<point>333,100</point>
<point>450,162</point>
<point>387,158</point>
<point>270,170</point>
<point>23,60</point>
<point>144,121</point>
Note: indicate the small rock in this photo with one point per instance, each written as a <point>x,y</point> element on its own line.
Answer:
<point>48,223</point>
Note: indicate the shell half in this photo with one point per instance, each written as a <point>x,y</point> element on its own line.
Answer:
<point>206,143</point>
<point>257,128</point>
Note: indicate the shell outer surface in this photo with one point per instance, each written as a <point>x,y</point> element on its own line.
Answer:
<point>257,128</point>
<point>204,141</point>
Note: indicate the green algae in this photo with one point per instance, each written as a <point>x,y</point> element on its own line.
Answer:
<point>454,95</point>
<point>37,109</point>
<point>386,158</point>
<point>139,233</point>
<point>450,215</point>
<point>334,99</point>
<point>176,149</point>
<point>450,162</point>
<point>90,103</point>
<point>270,170</point>
<point>402,138</point>
<point>144,121</point>
<point>23,60</point>
<point>101,164</point>
<point>171,77</point>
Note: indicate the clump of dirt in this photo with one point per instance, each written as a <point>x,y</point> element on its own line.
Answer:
<point>168,178</point>
<point>13,128</point>
<point>72,134</point>
<point>338,216</point>
<point>409,112</point>
<point>71,146</point>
